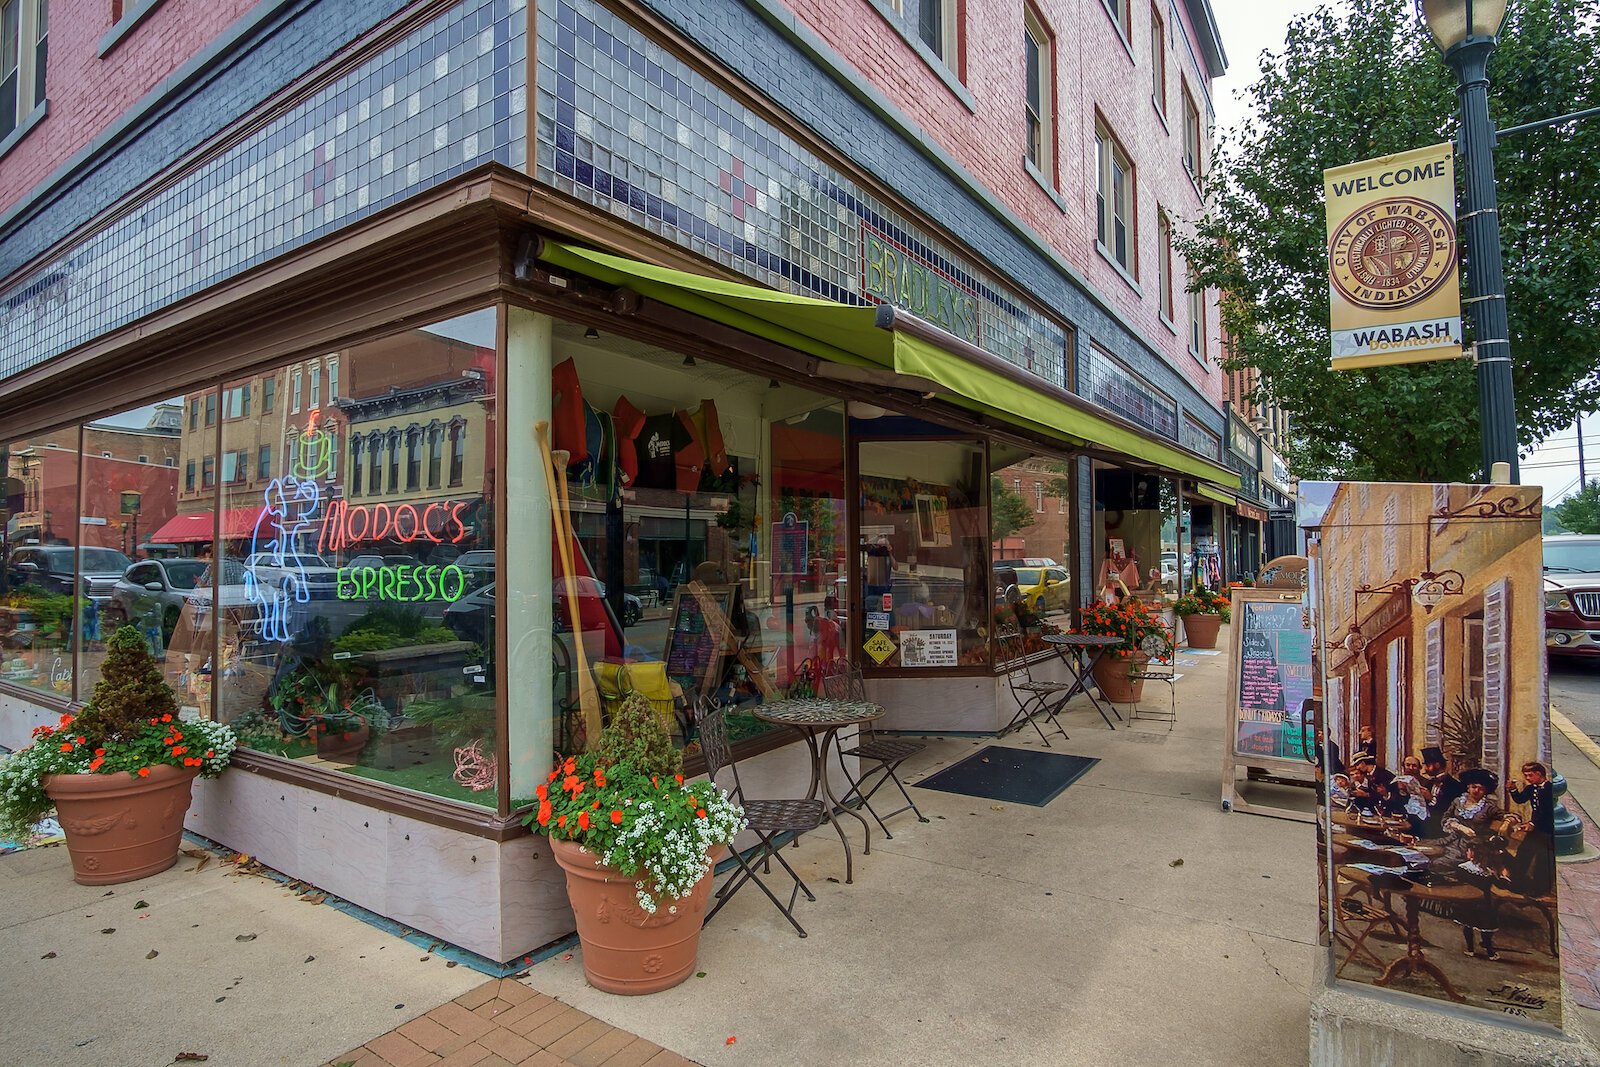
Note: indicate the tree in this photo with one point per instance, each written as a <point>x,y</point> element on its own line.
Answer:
<point>1368,82</point>
<point>1580,512</point>
<point>1008,510</point>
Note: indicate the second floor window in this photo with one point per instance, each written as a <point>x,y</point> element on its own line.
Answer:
<point>188,476</point>
<point>269,393</point>
<point>264,463</point>
<point>1193,157</point>
<point>294,392</point>
<point>1037,112</point>
<point>208,473</point>
<point>1115,228</point>
<point>1121,12</point>
<point>1197,325</point>
<point>24,37</point>
<point>316,385</point>
<point>333,380</point>
<point>355,466</point>
<point>413,459</point>
<point>458,453</point>
<point>1164,263</point>
<point>375,465</point>
<point>935,26</point>
<point>236,402</point>
<point>1158,61</point>
<point>435,456</point>
<point>211,409</point>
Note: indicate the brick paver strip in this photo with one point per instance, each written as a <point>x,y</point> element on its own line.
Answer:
<point>479,994</point>
<point>600,1051</point>
<point>514,991</point>
<point>398,1050</point>
<point>562,1025</point>
<point>1580,913</point>
<point>587,1033</point>
<point>503,1042</point>
<point>459,1019</point>
<point>665,1058</point>
<point>543,1058</point>
<point>429,1034</point>
<point>634,1055</point>
<point>468,1055</point>
<point>543,1014</point>
<point>527,1008</point>
<point>491,1008</point>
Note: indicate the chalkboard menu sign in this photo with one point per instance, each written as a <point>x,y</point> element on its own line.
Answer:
<point>1273,679</point>
<point>699,636</point>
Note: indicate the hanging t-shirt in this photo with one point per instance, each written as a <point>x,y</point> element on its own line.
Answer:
<point>568,412</point>
<point>657,444</point>
<point>627,421</point>
<point>707,430</point>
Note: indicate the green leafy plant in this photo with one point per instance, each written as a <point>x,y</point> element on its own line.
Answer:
<point>617,804</point>
<point>130,725</point>
<point>1203,601</point>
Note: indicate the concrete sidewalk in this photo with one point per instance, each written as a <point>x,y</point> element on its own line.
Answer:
<point>1130,921</point>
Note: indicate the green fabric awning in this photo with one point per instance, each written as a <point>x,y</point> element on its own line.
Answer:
<point>851,336</point>
<point>1213,493</point>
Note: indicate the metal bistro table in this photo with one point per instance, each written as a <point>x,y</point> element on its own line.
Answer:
<point>1071,648</point>
<point>814,717</point>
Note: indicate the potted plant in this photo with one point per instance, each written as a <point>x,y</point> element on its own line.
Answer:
<point>118,774</point>
<point>638,844</point>
<point>1131,621</point>
<point>341,731</point>
<point>1203,614</point>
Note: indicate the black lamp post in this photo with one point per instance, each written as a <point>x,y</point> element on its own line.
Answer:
<point>1465,32</point>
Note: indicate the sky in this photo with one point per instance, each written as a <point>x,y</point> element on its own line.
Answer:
<point>1247,27</point>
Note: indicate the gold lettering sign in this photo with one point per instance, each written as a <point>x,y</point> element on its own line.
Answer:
<point>892,275</point>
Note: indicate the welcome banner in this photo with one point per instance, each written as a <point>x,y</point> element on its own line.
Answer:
<point>1393,266</point>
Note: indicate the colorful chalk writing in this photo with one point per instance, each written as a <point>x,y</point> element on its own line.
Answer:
<point>1274,679</point>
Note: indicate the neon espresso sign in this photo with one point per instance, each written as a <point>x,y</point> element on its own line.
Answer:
<point>438,523</point>
<point>404,584</point>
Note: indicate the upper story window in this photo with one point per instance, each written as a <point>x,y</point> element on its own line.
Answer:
<point>269,393</point>
<point>333,381</point>
<point>236,402</point>
<point>1158,61</point>
<point>211,409</point>
<point>1121,12</point>
<point>1116,229</point>
<point>1164,262</point>
<point>294,392</point>
<point>315,371</point>
<point>1039,62</point>
<point>24,41</point>
<point>1197,325</point>
<point>1193,158</point>
<point>935,25</point>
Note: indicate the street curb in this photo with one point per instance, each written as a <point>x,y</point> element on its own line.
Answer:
<point>1580,740</point>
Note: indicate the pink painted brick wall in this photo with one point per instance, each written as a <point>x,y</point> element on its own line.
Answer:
<point>87,93</point>
<point>1094,74</point>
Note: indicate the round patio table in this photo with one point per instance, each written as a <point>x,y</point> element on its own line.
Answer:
<point>820,721</point>
<point>1072,648</point>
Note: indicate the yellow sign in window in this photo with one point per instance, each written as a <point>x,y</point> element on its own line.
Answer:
<point>879,646</point>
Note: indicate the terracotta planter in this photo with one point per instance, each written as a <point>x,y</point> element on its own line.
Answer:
<point>343,745</point>
<point>120,827</point>
<point>625,948</point>
<point>1201,630</point>
<point>1111,675</point>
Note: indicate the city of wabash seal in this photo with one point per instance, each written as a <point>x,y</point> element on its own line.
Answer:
<point>1392,253</point>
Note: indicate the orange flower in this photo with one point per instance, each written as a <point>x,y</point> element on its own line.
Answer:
<point>543,792</point>
<point>167,717</point>
<point>616,817</point>
<point>144,772</point>
<point>94,764</point>
<point>700,814</point>
<point>210,754</point>
<point>66,748</point>
<point>570,766</point>
<point>83,740</point>
<point>544,814</point>
<point>99,752</point>
<point>583,820</point>
<point>596,804</point>
<point>678,778</point>
<point>561,821</point>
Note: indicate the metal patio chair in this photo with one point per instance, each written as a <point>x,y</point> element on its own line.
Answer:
<point>1162,666</point>
<point>884,752</point>
<point>1032,697</point>
<point>767,819</point>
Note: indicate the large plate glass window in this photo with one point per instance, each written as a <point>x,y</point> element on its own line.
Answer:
<point>38,544</point>
<point>357,607</point>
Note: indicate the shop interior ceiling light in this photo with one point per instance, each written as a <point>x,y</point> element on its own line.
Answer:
<point>591,333</point>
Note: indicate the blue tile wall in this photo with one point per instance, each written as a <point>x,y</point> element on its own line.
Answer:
<point>449,96</point>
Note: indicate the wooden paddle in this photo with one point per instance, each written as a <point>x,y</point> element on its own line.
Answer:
<point>556,461</point>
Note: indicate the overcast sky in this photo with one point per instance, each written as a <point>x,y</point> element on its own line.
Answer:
<point>1248,27</point>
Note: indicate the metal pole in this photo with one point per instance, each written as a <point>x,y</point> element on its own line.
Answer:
<point>1582,479</point>
<point>1485,279</point>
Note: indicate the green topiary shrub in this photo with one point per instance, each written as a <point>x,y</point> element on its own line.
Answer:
<point>637,738</point>
<point>130,692</point>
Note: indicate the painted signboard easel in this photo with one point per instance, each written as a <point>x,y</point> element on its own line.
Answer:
<point>1269,685</point>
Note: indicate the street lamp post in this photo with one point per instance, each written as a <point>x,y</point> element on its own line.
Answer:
<point>1465,33</point>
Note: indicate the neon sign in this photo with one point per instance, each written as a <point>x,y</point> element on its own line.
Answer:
<point>403,584</point>
<point>347,524</point>
<point>274,578</point>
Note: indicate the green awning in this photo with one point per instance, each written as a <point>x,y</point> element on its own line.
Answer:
<point>851,336</point>
<point>1213,493</point>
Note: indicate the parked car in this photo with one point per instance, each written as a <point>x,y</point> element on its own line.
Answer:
<point>163,589</point>
<point>469,617</point>
<point>1045,589</point>
<point>321,578</point>
<point>1572,595</point>
<point>1169,568</point>
<point>1028,561</point>
<point>632,606</point>
<point>51,568</point>
<point>477,565</point>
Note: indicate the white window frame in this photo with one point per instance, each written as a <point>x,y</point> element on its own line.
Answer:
<point>315,371</point>
<point>1038,98</point>
<point>20,60</point>
<point>1193,137</point>
<point>1038,497</point>
<point>333,380</point>
<point>294,389</point>
<point>1110,156</point>
<point>1197,324</point>
<point>1164,265</point>
<point>948,27</point>
<point>1158,61</point>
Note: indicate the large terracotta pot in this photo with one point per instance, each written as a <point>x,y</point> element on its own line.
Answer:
<point>342,745</point>
<point>121,827</point>
<point>1111,676</point>
<point>1200,630</point>
<point>625,948</point>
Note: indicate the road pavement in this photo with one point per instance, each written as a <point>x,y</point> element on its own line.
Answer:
<point>1575,691</point>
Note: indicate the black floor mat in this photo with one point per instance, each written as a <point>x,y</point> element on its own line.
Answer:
<point>1016,775</point>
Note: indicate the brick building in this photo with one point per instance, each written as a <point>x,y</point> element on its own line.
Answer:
<point>788,285</point>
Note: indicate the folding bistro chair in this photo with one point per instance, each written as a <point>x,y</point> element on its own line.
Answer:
<point>1162,666</point>
<point>1032,697</point>
<point>766,818</point>
<point>885,753</point>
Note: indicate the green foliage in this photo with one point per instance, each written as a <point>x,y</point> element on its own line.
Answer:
<point>637,738</point>
<point>1203,601</point>
<point>1009,511</point>
<point>1362,82</point>
<point>130,692</point>
<point>1580,512</point>
<point>392,619</point>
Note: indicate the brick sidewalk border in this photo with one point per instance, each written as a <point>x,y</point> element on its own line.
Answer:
<point>503,1023</point>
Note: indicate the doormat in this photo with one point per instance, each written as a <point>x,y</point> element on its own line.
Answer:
<point>1203,651</point>
<point>1015,775</point>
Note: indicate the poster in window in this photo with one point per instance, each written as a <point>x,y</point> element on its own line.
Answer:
<point>933,521</point>
<point>927,648</point>
<point>791,546</point>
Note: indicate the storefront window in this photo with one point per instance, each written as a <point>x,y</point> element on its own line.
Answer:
<point>925,553</point>
<point>1203,560</point>
<point>705,535</point>
<point>38,582</point>
<point>129,570</point>
<point>1135,537</point>
<point>357,626</point>
<point>1031,530</point>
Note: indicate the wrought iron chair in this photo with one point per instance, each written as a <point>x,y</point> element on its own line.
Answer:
<point>767,819</point>
<point>1032,697</point>
<point>1162,666</point>
<point>884,752</point>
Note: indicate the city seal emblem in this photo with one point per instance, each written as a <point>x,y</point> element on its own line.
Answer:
<point>1392,253</point>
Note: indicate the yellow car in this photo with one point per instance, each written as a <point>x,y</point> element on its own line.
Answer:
<point>1045,590</point>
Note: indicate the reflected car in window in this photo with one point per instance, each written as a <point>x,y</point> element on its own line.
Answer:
<point>1572,595</point>
<point>50,567</point>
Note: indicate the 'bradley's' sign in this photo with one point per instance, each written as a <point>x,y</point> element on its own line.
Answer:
<point>892,275</point>
<point>1394,287</point>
